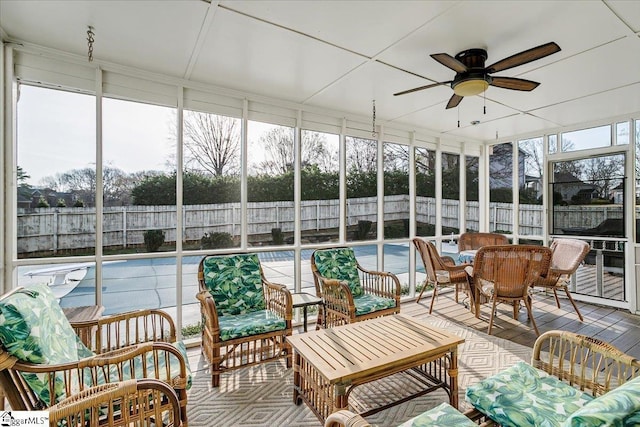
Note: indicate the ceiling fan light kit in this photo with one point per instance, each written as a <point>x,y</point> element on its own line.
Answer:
<point>470,87</point>
<point>473,78</point>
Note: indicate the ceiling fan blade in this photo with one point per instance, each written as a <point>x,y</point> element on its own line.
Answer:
<point>450,62</point>
<point>404,92</point>
<point>514,83</point>
<point>524,57</point>
<point>454,101</point>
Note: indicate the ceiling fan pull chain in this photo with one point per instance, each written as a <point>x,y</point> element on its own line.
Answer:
<point>458,116</point>
<point>484,108</point>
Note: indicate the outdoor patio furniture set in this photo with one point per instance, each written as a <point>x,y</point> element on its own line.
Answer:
<point>129,368</point>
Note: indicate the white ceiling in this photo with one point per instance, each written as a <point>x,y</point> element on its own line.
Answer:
<point>341,55</point>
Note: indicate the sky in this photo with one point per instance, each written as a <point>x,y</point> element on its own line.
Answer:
<point>56,133</point>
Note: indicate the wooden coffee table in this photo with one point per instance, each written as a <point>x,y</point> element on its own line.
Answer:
<point>330,363</point>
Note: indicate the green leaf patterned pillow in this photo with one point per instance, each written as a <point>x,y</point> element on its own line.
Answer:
<point>613,408</point>
<point>523,396</point>
<point>34,329</point>
<point>235,283</point>
<point>339,264</point>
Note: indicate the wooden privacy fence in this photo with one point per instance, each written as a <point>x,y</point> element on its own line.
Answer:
<point>63,229</point>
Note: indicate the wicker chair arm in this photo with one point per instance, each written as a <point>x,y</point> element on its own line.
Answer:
<point>209,312</point>
<point>337,296</point>
<point>125,329</point>
<point>345,418</point>
<point>147,400</point>
<point>278,299</point>
<point>584,362</point>
<point>381,283</point>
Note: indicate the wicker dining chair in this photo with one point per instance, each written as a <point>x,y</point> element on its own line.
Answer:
<point>567,255</point>
<point>441,271</point>
<point>132,403</point>
<point>349,292</point>
<point>505,273</point>
<point>246,317</point>
<point>472,241</point>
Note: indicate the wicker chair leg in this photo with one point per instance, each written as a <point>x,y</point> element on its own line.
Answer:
<point>422,291</point>
<point>457,287</point>
<point>433,297</point>
<point>527,303</point>
<point>493,311</point>
<point>573,303</point>
<point>555,294</point>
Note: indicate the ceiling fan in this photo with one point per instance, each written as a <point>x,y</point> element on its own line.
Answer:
<point>473,78</point>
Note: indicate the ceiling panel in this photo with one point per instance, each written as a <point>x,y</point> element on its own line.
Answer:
<point>470,109</point>
<point>146,35</point>
<point>628,11</point>
<point>609,66</point>
<point>377,81</point>
<point>619,102</point>
<point>366,27</point>
<point>252,56</point>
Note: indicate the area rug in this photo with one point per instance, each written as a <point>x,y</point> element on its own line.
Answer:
<point>263,395</point>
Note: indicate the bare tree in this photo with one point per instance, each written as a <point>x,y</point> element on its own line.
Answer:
<point>279,148</point>
<point>117,185</point>
<point>362,154</point>
<point>211,143</point>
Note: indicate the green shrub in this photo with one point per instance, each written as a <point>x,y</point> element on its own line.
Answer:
<point>191,331</point>
<point>42,203</point>
<point>78,204</point>
<point>153,239</point>
<point>277,236</point>
<point>364,227</point>
<point>216,240</point>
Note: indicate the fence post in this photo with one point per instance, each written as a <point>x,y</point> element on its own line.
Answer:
<point>55,231</point>
<point>318,215</point>
<point>277,216</point>
<point>124,226</point>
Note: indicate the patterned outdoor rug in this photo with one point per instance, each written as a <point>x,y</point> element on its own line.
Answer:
<point>263,395</point>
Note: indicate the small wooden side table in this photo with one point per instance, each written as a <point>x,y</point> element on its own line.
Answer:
<point>304,300</point>
<point>83,314</point>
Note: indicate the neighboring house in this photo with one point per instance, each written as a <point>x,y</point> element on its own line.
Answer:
<point>28,198</point>
<point>572,189</point>
<point>534,183</point>
<point>617,194</point>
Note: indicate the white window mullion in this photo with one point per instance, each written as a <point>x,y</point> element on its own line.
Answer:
<point>99,187</point>
<point>179,208</point>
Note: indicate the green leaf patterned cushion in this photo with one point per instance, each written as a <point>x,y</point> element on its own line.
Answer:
<point>613,408</point>
<point>235,283</point>
<point>139,371</point>
<point>443,415</point>
<point>339,264</point>
<point>254,323</point>
<point>33,328</point>
<point>368,303</point>
<point>522,396</point>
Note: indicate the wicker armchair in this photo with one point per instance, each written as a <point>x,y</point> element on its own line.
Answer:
<point>246,317</point>
<point>441,271</point>
<point>567,255</point>
<point>505,273</point>
<point>564,365</point>
<point>43,361</point>
<point>575,364</point>
<point>472,241</point>
<point>349,292</point>
<point>132,403</point>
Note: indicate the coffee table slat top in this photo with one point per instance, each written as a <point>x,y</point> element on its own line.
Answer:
<point>372,345</point>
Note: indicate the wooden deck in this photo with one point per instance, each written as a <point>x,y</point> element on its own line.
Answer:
<point>618,327</point>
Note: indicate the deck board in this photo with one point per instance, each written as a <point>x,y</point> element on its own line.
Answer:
<point>616,326</point>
